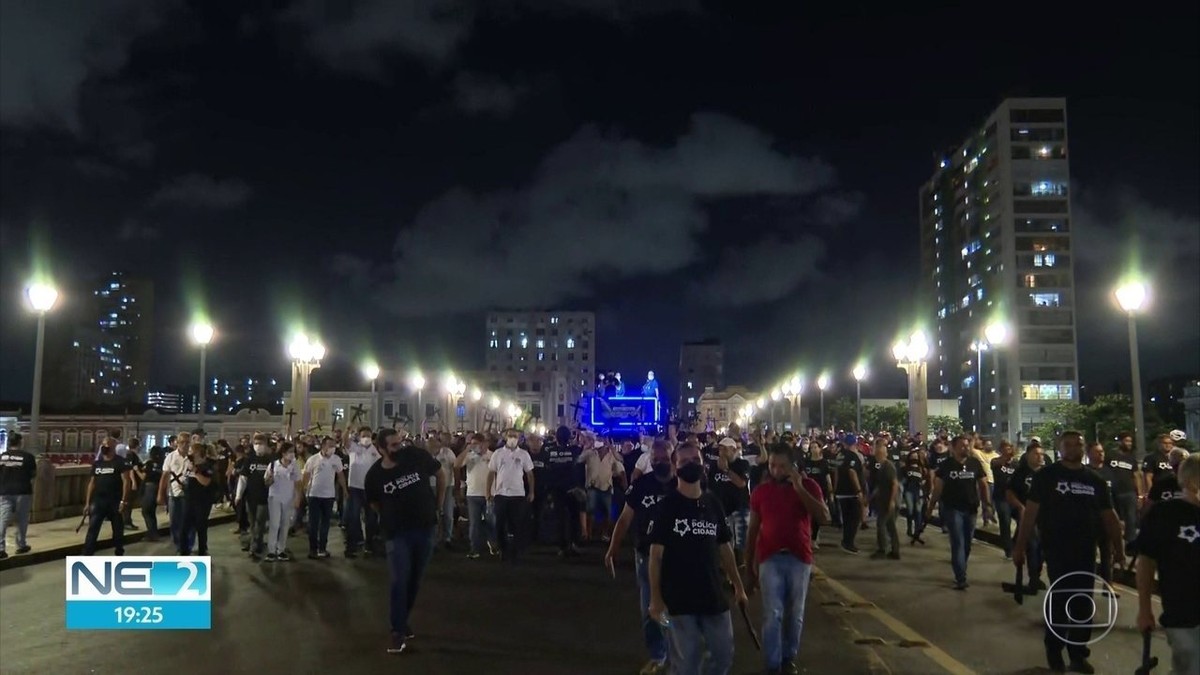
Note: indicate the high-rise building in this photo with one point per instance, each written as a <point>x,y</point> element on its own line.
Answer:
<point>701,367</point>
<point>552,350</point>
<point>230,394</point>
<point>996,249</point>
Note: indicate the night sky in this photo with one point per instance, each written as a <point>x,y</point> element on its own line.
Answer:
<point>383,172</point>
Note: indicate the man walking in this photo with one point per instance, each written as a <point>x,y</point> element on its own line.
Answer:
<point>848,489</point>
<point>17,472</point>
<point>363,455</point>
<point>107,494</point>
<point>959,485</point>
<point>508,469</point>
<point>885,496</point>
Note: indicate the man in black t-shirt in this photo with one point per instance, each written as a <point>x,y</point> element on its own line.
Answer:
<point>151,474</point>
<point>848,489</point>
<point>398,488</point>
<point>563,485</point>
<point>1166,487</point>
<point>1017,493</point>
<point>641,502</point>
<point>1095,462</point>
<point>252,492</point>
<point>1072,509</point>
<point>1169,545</point>
<point>959,485</point>
<point>1127,490</point>
<point>1004,465</point>
<point>689,547</point>
<point>107,495</point>
<point>18,469</point>
<point>816,467</point>
<point>1158,463</point>
<point>728,482</point>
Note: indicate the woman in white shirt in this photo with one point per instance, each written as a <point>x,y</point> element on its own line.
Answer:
<point>283,498</point>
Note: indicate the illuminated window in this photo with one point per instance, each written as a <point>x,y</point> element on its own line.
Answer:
<point>570,343</point>
<point>1047,392</point>
<point>524,342</point>
<point>1045,299</point>
<point>541,344</point>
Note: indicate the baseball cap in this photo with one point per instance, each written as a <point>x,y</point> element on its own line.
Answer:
<point>728,442</point>
<point>850,439</point>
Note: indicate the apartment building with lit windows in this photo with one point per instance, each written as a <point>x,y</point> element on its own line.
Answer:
<point>547,356</point>
<point>996,249</point>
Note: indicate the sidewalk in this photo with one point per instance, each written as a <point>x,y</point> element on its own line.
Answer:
<point>57,539</point>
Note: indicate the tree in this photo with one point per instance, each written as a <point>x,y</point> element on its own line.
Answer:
<point>892,418</point>
<point>842,413</point>
<point>1101,420</point>
<point>951,425</point>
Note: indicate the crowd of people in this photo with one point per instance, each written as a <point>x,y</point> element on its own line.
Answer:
<point>708,513</point>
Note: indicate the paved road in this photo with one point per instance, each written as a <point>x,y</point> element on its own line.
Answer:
<point>544,616</point>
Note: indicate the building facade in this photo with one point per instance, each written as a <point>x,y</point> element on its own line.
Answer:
<point>553,352</point>
<point>717,409</point>
<point>701,367</point>
<point>996,248</point>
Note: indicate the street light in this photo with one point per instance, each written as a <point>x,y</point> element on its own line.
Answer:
<point>994,335</point>
<point>860,373</point>
<point>41,298</point>
<point>306,357</point>
<point>416,382</point>
<point>822,383</point>
<point>1132,296</point>
<point>370,371</point>
<point>202,334</point>
<point>910,356</point>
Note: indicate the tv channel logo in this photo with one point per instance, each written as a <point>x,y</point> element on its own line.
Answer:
<point>139,593</point>
<point>1076,601</point>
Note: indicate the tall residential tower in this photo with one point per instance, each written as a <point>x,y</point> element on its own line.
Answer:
<point>996,249</point>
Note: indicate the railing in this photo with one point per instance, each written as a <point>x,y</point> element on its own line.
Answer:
<point>59,491</point>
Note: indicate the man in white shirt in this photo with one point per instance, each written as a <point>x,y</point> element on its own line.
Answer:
<point>322,477</point>
<point>363,456</point>
<point>601,467</point>
<point>482,525</point>
<point>177,468</point>
<point>439,447</point>
<point>508,469</point>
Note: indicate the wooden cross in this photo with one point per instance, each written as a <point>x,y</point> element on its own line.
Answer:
<point>359,411</point>
<point>400,420</point>
<point>290,414</point>
<point>489,421</point>
<point>337,415</point>
<point>579,408</point>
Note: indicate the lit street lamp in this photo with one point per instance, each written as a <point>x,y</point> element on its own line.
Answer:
<point>910,356</point>
<point>41,298</point>
<point>370,371</point>
<point>822,384</point>
<point>202,334</point>
<point>417,383</point>
<point>1132,296</point>
<point>860,373</point>
<point>306,356</point>
<point>994,335</point>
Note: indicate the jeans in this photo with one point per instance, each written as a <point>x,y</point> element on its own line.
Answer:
<point>887,539</point>
<point>102,510</point>
<point>652,631</point>
<point>150,510</point>
<point>14,507</point>
<point>258,515</point>
<point>961,527</point>
<point>599,503</point>
<point>320,511</point>
<point>914,512</point>
<point>357,511</point>
<point>851,510</point>
<point>1066,587</point>
<point>738,523</point>
<point>1185,649</point>
<point>1004,514</point>
<point>691,635</point>
<point>195,524</point>
<point>482,524</point>
<point>447,522</point>
<point>408,552</point>
<point>1125,505</point>
<point>176,515</point>
<point>510,524</point>
<point>280,513</point>
<point>784,579</point>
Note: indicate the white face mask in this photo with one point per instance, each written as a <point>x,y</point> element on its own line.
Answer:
<point>511,443</point>
<point>364,441</point>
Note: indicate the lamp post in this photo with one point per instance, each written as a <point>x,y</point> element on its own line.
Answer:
<point>910,357</point>
<point>41,298</point>
<point>996,334</point>
<point>822,383</point>
<point>776,394</point>
<point>370,371</point>
<point>202,334</point>
<point>1132,296</point>
<point>860,372</point>
<point>416,382</point>
<point>476,397</point>
<point>306,357</point>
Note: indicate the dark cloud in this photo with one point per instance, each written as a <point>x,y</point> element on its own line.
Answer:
<point>133,229</point>
<point>1112,226</point>
<point>476,94</point>
<point>765,271</point>
<point>201,192</point>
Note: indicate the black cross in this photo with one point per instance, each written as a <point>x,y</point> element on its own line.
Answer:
<point>290,414</point>
<point>337,415</point>
<point>358,411</point>
<point>579,408</point>
<point>400,419</point>
<point>489,421</point>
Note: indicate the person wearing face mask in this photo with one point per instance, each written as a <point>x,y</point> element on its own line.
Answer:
<point>779,544</point>
<point>689,547</point>
<point>176,469</point>
<point>252,493</point>
<point>481,524</point>
<point>199,502</point>
<point>322,478</point>
<point>107,495</point>
<point>508,470</point>
<point>728,481</point>
<point>641,499</point>
<point>283,498</point>
<point>363,456</point>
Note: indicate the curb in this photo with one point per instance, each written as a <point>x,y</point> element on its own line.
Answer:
<point>36,557</point>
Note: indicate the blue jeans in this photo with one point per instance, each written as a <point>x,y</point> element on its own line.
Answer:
<point>408,552</point>
<point>15,507</point>
<point>738,522</point>
<point>691,635</point>
<point>150,510</point>
<point>914,512</point>
<point>356,512</point>
<point>1125,505</point>
<point>1004,515</point>
<point>961,526</point>
<point>482,525</point>
<point>177,515</point>
<point>599,503</point>
<point>1185,649</point>
<point>320,512</point>
<point>784,579</point>
<point>652,631</point>
<point>447,523</point>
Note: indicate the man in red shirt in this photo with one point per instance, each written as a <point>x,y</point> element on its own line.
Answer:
<point>780,540</point>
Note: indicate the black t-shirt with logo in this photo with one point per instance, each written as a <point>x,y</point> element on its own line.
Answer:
<point>732,498</point>
<point>194,489</point>
<point>936,459</point>
<point>848,460</point>
<point>1002,475</point>
<point>643,497</point>
<point>1165,488</point>
<point>818,470</point>
<point>1105,474</point>
<point>152,469</point>
<point>1170,534</point>
<point>691,532</point>
<point>960,483</point>
<point>17,471</point>
<point>405,496</point>
<point>914,473</point>
<point>1021,481</point>
<point>107,476</point>
<point>751,454</point>
<point>711,453</point>
<point>1070,502</point>
<point>1155,465</point>
<point>563,470</point>
<point>541,469</point>
<point>1121,465</point>
<point>882,482</point>
<point>255,470</point>
<point>896,454</point>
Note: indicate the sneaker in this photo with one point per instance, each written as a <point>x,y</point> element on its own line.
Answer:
<point>313,555</point>
<point>322,554</point>
<point>255,557</point>
<point>492,550</point>
<point>409,634</point>
<point>1081,666</point>
<point>285,556</point>
<point>351,554</point>
<point>816,546</point>
<point>246,547</point>
<point>789,667</point>
<point>271,557</point>
<point>21,550</point>
<point>652,667</point>
<point>202,552</point>
<point>960,585</point>
<point>920,541</point>
<point>852,550</point>
<point>472,556</point>
<point>1037,585</point>
<point>396,645</point>
<point>131,526</point>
